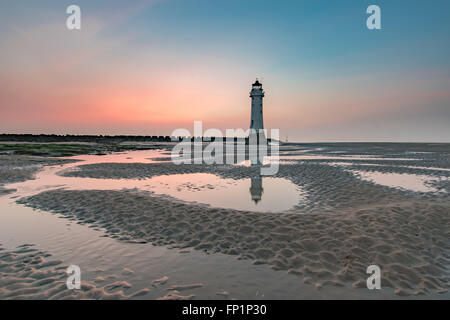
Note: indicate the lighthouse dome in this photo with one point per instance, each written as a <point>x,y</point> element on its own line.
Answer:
<point>257,83</point>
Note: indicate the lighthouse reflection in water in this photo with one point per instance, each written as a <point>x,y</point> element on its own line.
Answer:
<point>256,189</point>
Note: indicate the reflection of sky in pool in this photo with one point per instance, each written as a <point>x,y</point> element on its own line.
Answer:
<point>255,194</point>
<point>413,182</point>
<point>252,194</point>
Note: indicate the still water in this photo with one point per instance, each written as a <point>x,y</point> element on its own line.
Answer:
<point>251,194</point>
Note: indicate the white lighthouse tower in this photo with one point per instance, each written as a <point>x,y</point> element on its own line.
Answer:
<point>257,95</point>
<point>257,137</point>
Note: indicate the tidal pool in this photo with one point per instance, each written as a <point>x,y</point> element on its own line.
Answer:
<point>412,182</point>
<point>252,194</point>
<point>258,193</point>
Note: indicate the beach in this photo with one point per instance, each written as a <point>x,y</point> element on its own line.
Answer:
<point>345,207</point>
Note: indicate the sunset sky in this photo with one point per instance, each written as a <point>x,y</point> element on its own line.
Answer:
<point>149,67</point>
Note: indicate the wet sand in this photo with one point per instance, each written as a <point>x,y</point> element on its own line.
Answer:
<point>409,240</point>
<point>344,224</point>
<point>21,168</point>
<point>30,274</point>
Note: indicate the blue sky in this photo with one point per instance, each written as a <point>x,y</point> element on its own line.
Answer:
<point>171,62</point>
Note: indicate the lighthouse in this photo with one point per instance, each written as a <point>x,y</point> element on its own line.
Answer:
<point>257,136</point>
<point>257,95</point>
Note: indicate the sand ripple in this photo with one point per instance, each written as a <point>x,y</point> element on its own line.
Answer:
<point>409,240</point>
<point>28,273</point>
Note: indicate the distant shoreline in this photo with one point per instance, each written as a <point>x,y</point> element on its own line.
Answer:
<point>48,138</point>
